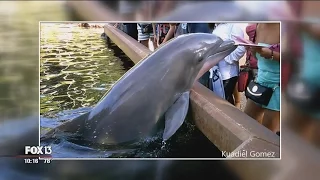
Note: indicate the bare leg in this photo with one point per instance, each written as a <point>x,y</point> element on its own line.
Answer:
<point>237,96</point>
<point>254,111</point>
<point>271,120</point>
<point>154,43</point>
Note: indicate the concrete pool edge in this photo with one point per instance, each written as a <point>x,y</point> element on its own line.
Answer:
<point>223,124</point>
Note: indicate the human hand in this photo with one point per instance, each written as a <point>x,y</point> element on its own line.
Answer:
<point>264,52</point>
<point>253,50</point>
<point>247,48</point>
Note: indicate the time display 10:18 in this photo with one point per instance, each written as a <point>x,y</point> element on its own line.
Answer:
<point>31,161</point>
<point>36,161</point>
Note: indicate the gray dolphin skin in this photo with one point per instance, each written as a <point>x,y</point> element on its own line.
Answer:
<point>154,89</point>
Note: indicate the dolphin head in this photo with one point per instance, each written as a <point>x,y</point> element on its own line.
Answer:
<point>192,52</point>
<point>207,47</point>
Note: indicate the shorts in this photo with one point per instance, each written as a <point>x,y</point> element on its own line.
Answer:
<point>143,36</point>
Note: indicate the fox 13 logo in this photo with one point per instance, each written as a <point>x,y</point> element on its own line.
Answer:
<point>37,150</point>
<point>34,153</point>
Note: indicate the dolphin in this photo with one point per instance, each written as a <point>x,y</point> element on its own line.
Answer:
<point>152,94</point>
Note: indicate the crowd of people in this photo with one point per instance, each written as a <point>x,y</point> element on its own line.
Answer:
<point>227,79</point>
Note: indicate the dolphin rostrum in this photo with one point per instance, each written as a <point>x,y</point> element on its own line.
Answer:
<point>157,87</point>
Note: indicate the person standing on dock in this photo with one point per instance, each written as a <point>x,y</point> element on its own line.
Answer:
<point>263,94</point>
<point>145,33</point>
<point>249,70</point>
<point>170,29</point>
<point>229,66</point>
<point>162,31</point>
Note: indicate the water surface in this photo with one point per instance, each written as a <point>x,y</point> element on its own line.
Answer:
<point>76,67</point>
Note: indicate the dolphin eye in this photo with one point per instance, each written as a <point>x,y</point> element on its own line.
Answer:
<point>200,59</point>
<point>201,54</point>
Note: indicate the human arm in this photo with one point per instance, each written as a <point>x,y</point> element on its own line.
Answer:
<point>155,35</point>
<point>170,32</point>
<point>268,53</point>
<point>239,52</point>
